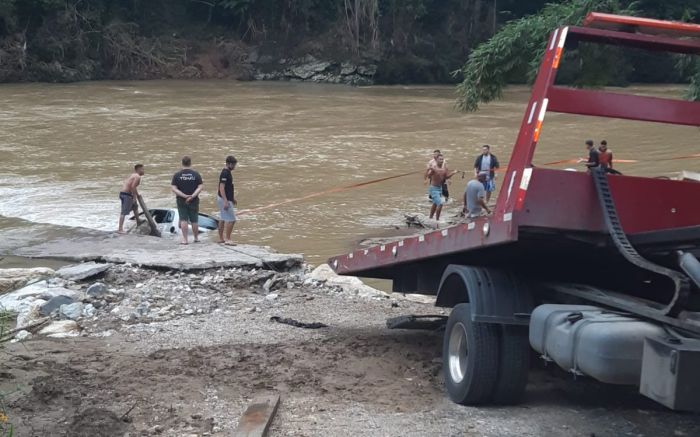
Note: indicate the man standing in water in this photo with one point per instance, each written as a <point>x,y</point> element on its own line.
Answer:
<point>187,184</point>
<point>226,201</point>
<point>489,163</point>
<point>129,195</point>
<point>432,163</point>
<point>438,175</point>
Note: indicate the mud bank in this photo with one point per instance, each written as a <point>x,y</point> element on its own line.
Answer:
<point>177,353</point>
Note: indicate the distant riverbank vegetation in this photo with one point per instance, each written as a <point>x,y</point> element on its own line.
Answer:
<point>409,41</point>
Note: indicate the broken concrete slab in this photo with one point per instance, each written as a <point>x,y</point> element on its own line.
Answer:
<point>349,284</point>
<point>61,329</point>
<point>159,253</point>
<point>42,289</point>
<point>12,279</point>
<point>79,272</point>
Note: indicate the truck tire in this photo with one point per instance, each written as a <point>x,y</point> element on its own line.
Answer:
<point>513,366</point>
<point>469,357</point>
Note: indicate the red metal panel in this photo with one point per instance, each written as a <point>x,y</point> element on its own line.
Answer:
<point>567,200</point>
<point>442,242</point>
<point>622,22</point>
<point>648,42</point>
<point>626,106</point>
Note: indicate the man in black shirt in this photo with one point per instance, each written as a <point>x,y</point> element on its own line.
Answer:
<point>187,184</point>
<point>593,157</point>
<point>226,201</point>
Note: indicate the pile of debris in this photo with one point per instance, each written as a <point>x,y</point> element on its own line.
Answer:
<point>96,298</point>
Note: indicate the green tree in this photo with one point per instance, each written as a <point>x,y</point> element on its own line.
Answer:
<point>514,53</point>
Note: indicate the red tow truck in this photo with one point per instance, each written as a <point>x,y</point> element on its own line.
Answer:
<point>519,279</point>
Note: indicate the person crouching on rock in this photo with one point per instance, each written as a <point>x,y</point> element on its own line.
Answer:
<point>129,195</point>
<point>187,184</point>
<point>226,202</point>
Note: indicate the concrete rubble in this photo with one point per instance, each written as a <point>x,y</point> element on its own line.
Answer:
<point>79,272</point>
<point>11,279</point>
<point>131,293</point>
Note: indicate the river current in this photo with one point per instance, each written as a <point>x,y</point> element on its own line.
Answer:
<point>66,149</point>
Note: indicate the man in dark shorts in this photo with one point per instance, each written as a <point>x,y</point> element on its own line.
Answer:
<point>128,196</point>
<point>187,184</point>
<point>226,201</point>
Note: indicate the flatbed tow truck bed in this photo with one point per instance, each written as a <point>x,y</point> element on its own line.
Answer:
<point>507,274</point>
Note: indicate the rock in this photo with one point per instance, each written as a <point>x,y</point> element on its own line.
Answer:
<point>89,310</point>
<point>267,286</point>
<point>42,289</point>
<point>272,296</point>
<point>30,313</point>
<point>347,284</point>
<point>347,68</point>
<point>79,272</point>
<point>71,311</point>
<point>308,70</point>
<point>61,328</point>
<point>11,279</point>
<point>97,289</point>
<point>367,70</point>
<point>54,304</point>
<point>23,335</point>
<point>290,285</point>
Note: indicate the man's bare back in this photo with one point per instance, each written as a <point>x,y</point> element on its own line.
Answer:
<point>131,183</point>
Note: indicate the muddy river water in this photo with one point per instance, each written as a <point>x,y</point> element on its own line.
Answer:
<point>66,148</point>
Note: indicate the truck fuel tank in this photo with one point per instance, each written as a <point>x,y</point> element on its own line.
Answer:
<point>592,341</point>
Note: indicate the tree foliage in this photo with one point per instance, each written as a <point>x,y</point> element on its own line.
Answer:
<point>514,53</point>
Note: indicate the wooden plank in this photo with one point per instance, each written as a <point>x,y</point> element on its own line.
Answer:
<point>257,418</point>
<point>154,228</point>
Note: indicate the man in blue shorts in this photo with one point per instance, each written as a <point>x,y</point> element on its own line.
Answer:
<point>438,176</point>
<point>226,201</point>
<point>489,163</point>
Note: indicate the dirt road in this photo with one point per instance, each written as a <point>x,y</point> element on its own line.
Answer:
<point>207,346</point>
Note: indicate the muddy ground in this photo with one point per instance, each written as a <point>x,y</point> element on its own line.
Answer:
<point>191,362</point>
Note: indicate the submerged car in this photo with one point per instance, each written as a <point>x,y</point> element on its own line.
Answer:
<point>168,219</point>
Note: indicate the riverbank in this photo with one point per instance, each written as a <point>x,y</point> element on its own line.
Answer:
<point>165,352</point>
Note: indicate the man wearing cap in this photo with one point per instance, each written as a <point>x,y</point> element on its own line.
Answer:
<point>489,163</point>
<point>187,184</point>
<point>225,200</point>
<point>475,195</point>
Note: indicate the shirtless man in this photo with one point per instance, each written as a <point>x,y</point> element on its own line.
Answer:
<point>129,195</point>
<point>438,176</point>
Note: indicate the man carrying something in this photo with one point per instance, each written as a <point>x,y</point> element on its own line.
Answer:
<point>438,175</point>
<point>187,184</point>
<point>129,195</point>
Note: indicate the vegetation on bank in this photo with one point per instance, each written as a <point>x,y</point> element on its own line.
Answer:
<point>408,40</point>
<point>514,53</point>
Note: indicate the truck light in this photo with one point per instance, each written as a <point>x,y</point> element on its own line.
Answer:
<point>486,229</point>
<point>395,250</point>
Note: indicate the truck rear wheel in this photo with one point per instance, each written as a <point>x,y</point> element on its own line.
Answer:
<point>470,357</point>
